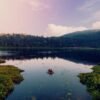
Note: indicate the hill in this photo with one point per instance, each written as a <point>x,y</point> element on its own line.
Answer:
<point>90,39</point>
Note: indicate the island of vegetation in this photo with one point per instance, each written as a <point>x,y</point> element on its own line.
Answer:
<point>92,81</point>
<point>9,75</point>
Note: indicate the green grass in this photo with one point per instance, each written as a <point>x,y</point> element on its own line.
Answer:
<point>92,81</point>
<point>96,69</point>
<point>9,75</point>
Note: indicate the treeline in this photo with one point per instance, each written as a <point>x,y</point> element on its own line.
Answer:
<point>77,39</point>
<point>19,40</point>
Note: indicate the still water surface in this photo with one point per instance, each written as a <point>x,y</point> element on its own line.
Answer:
<point>39,85</point>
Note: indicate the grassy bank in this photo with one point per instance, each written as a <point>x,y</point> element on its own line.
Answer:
<point>9,75</point>
<point>92,81</point>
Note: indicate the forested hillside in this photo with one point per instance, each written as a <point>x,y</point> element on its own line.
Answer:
<point>76,39</point>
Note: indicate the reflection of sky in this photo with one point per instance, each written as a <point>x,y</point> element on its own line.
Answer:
<point>47,63</point>
<point>41,85</point>
<point>5,53</point>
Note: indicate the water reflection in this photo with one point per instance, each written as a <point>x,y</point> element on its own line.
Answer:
<point>63,84</point>
<point>63,66</point>
<point>79,56</point>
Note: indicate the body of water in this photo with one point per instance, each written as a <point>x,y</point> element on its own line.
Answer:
<point>62,83</point>
<point>38,84</point>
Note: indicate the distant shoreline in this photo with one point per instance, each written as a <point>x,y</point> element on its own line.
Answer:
<point>48,48</point>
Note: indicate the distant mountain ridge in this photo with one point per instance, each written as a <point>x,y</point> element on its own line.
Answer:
<point>86,32</point>
<point>89,38</point>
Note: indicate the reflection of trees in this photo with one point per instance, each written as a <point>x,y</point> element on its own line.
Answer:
<point>92,81</point>
<point>79,56</point>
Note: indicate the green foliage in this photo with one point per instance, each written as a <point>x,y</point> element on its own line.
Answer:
<point>9,75</point>
<point>6,85</point>
<point>96,69</point>
<point>92,81</point>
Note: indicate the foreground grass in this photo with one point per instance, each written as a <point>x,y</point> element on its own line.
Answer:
<point>9,75</point>
<point>92,81</point>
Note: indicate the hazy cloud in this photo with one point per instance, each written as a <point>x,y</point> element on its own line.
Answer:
<point>57,30</point>
<point>96,25</point>
<point>97,15</point>
<point>37,5</point>
<point>90,5</point>
<point>90,8</point>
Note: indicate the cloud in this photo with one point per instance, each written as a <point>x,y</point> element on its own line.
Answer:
<point>97,15</point>
<point>96,25</point>
<point>90,5</point>
<point>37,5</point>
<point>91,9</point>
<point>57,30</point>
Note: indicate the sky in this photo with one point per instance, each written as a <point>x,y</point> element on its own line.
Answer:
<point>48,17</point>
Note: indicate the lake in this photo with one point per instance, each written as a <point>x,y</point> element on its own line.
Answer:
<point>38,84</point>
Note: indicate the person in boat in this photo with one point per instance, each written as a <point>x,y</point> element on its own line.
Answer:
<point>50,71</point>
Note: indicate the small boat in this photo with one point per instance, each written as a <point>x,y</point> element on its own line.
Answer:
<point>50,71</point>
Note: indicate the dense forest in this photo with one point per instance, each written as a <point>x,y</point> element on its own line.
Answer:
<point>90,38</point>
